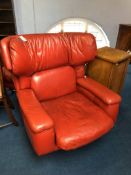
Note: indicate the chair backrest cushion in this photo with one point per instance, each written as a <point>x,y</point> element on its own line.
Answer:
<point>53,83</point>
<point>39,52</point>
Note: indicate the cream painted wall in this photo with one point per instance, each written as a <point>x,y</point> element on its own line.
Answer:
<point>36,16</point>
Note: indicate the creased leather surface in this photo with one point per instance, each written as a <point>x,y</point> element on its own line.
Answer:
<point>46,51</point>
<point>102,92</point>
<point>77,120</point>
<point>81,50</point>
<point>38,53</point>
<point>54,83</point>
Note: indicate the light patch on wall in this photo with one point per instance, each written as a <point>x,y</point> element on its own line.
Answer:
<point>81,25</point>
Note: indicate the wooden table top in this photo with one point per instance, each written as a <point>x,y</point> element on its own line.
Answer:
<point>112,55</point>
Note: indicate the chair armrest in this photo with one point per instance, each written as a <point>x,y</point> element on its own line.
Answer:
<point>102,92</point>
<point>36,117</point>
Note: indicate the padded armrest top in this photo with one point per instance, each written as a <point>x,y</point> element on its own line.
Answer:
<point>102,92</point>
<point>37,119</point>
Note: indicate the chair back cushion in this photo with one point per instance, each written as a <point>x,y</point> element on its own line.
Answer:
<point>53,83</point>
<point>37,52</point>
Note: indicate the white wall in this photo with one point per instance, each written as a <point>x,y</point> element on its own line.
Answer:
<point>36,16</point>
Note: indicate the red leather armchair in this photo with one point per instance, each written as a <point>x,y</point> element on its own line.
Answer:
<point>61,108</point>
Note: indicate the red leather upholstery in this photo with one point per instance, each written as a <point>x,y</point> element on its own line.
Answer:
<point>81,50</point>
<point>49,84</point>
<point>61,109</point>
<point>102,92</point>
<point>5,52</point>
<point>38,123</point>
<point>77,120</point>
<point>37,119</point>
<point>80,71</point>
<point>39,52</point>
<point>100,95</point>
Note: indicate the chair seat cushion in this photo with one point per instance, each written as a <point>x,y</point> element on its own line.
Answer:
<point>78,121</point>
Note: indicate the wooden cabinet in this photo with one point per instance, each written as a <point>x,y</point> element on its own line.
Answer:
<point>109,68</point>
<point>124,37</point>
<point>7,20</point>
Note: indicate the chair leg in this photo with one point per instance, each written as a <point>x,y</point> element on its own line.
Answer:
<point>10,102</point>
<point>9,112</point>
